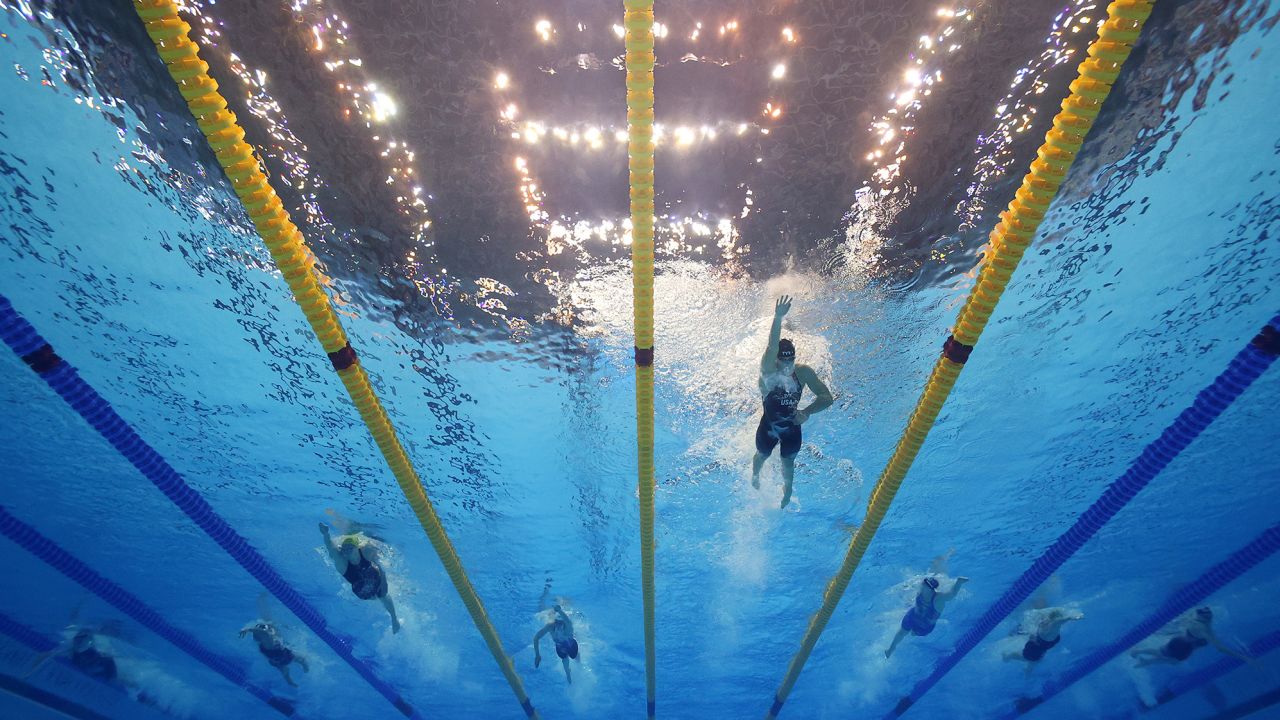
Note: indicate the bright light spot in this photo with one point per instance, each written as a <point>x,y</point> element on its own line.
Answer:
<point>544,30</point>
<point>684,136</point>
<point>912,75</point>
<point>779,71</point>
<point>788,35</point>
<point>521,165</point>
<point>510,112</point>
<point>620,135</point>
<point>619,31</point>
<point>659,30</point>
<point>383,106</point>
<point>742,128</point>
<point>501,81</point>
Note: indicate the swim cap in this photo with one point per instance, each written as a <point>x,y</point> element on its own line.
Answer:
<point>349,542</point>
<point>786,348</point>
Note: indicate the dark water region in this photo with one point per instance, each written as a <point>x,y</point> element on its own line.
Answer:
<point>809,194</point>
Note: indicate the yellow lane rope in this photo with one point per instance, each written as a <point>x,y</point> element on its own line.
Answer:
<point>289,250</point>
<point>638,21</point>
<point>1009,240</point>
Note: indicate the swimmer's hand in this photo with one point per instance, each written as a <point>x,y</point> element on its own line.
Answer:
<point>324,530</point>
<point>782,306</point>
<point>243,631</point>
<point>800,417</point>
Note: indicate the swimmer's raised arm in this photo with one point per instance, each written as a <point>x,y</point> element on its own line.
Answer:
<point>769,361</point>
<point>537,644</point>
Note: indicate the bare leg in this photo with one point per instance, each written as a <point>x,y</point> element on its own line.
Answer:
<point>302,662</point>
<point>284,670</point>
<point>757,462</point>
<point>788,474</point>
<point>391,609</point>
<point>567,676</point>
<point>896,639</point>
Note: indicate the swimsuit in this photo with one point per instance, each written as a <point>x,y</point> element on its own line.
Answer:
<point>1036,647</point>
<point>567,649</point>
<point>277,655</point>
<point>366,579</point>
<point>777,422</point>
<point>1181,647</point>
<point>94,664</point>
<point>921,619</point>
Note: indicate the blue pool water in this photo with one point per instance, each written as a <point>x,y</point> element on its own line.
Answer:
<point>1156,266</point>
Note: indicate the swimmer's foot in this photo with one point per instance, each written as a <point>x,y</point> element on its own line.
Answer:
<point>755,481</point>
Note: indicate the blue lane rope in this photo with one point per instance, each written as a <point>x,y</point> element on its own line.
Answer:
<point>1250,706</point>
<point>25,635</point>
<point>23,339</point>
<point>1240,562</point>
<point>1244,368</point>
<point>31,693</point>
<point>42,547</point>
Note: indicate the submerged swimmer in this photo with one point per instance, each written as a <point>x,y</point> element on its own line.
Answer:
<point>782,382</point>
<point>1191,632</point>
<point>356,559</point>
<point>1046,626</point>
<point>89,652</point>
<point>274,649</point>
<point>923,615</point>
<point>561,629</point>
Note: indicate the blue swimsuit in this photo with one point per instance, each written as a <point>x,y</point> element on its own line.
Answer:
<point>921,619</point>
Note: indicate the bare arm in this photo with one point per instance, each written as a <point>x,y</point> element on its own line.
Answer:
<point>1227,649</point>
<point>339,561</point>
<point>955,588</point>
<point>537,643</point>
<point>769,361</point>
<point>823,399</point>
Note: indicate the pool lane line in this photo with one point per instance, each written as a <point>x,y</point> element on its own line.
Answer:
<point>1244,368</point>
<point>1187,597</point>
<point>288,248</point>
<point>1249,707</point>
<point>29,539</point>
<point>638,20</point>
<point>1009,241</point>
<point>54,703</point>
<point>39,355</point>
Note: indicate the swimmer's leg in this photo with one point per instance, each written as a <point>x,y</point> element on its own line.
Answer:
<point>284,670</point>
<point>902,632</point>
<point>788,474</point>
<point>302,662</point>
<point>391,610</point>
<point>567,676</point>
<point>757,462</point>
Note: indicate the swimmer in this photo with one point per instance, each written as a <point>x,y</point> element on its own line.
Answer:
<point>274,649</point>
<point>356,558</point>
<point>923,615</point>
<point>88,651</point>
<point>1191,632</point>
<point>561,629</point>
<point>1046,626</point>
<point>782,382</point>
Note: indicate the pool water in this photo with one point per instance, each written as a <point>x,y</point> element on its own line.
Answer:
<point>1157,264</point>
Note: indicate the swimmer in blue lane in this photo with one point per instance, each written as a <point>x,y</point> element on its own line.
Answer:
<point>923,615</point>
<point>273,648</point>
<point>1189,633</point>
<point>782,382</point>
<point>87,651</point>
<point>355,557</point>
<point>561,629</point>
<point>1042,628</point>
